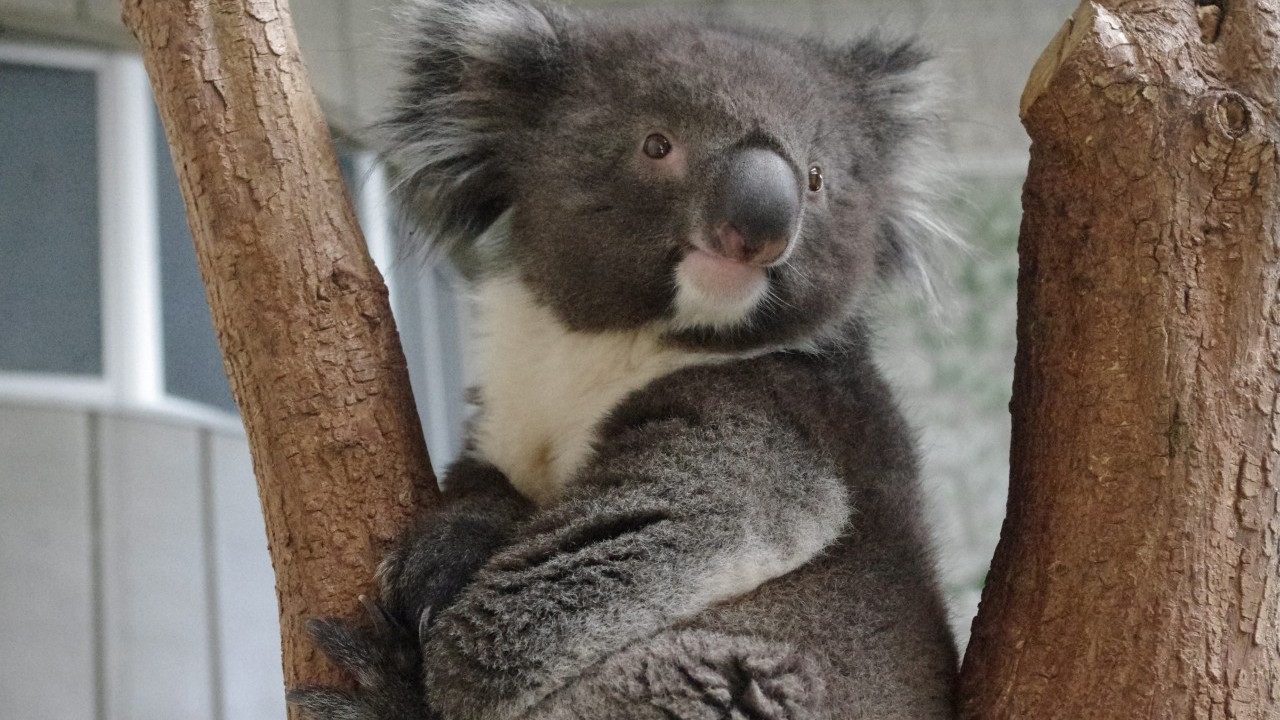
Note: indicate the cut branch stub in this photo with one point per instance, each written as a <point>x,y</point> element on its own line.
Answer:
<point>1137,573</point>
<point>301,312</point>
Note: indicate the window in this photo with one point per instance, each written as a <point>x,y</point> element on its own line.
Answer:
<point>77,229</point>
<point>50,286</point>
<point>100,298</point>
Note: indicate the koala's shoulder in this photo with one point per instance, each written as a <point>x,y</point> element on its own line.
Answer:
<point>837,404</point>
<point>757,389</point>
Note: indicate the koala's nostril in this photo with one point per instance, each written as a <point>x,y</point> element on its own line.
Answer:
<point>769,252</point>
<point>756,206</point>
<point>729,241</point>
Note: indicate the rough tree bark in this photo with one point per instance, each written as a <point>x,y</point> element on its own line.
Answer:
<point>1137,572</point>
<point>301,312</point>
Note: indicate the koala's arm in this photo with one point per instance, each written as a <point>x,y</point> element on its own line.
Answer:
<point>671,516</point>
<point>434,561</point>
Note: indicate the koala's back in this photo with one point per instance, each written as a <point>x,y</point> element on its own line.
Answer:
<point>866,613</point>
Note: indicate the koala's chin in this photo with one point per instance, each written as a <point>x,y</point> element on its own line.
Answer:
<point>716,292</point>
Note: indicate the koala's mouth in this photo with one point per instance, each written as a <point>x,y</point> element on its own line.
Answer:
<point>729,265</point>
<point>721,277</point>
<point>714,291</point>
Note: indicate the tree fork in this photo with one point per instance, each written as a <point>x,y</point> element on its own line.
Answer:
<point>301,312</point>
<point>1137,571</point>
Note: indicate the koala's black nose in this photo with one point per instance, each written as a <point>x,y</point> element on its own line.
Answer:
<point>755,208</point>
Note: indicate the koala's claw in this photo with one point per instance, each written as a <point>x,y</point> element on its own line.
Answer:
<point>383,621</point>
<point>426,573</point>
<point>424,624</point>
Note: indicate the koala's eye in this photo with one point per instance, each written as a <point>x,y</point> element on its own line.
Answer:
<point>815,178</point>
<point>657,146</point>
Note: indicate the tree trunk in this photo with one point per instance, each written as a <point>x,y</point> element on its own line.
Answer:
<point>1136,574</point>
<point>301,312</point>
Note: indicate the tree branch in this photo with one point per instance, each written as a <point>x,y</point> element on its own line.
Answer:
<point>1138,573</point>
<point>300,310</point>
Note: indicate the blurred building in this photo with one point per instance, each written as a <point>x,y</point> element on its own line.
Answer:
<point>136,580</point>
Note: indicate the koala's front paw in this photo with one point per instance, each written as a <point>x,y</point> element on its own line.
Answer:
<point>385,661</point>
<point>436,561</point>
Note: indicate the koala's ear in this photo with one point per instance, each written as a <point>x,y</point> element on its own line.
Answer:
<point>893,88</point>
<point>476,71</point>
<point>893,96</point>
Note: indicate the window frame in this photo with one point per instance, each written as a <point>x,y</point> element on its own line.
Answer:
<point>132,347</point>
<point>133,367</point>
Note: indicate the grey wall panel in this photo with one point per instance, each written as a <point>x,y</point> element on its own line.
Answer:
<point>248,621</point>
<point>373,31</point>
<point>104,11</point>
<point>844,19</point>
<point>63,9</point>
<point>793,17</point>
<point>155,612</point>
<point>46,595</point>
<point>326,50</point>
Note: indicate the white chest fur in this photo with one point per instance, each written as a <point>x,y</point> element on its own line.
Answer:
<point>544,389</point>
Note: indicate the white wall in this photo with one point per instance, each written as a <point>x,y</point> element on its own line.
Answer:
<point>137,583</point>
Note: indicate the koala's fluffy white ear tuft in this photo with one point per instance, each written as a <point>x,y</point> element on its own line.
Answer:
<point>893,85</point>
<point>484,29</point>
<point>897,93</point>
<point>496,32</point>
<point>477,72</point>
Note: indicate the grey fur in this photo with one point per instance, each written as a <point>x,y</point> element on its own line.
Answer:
<point>633,595</point>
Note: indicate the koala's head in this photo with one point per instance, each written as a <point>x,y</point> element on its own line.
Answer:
<point>731,188</point>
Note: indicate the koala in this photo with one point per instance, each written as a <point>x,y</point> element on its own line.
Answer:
<point>686,491</point>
